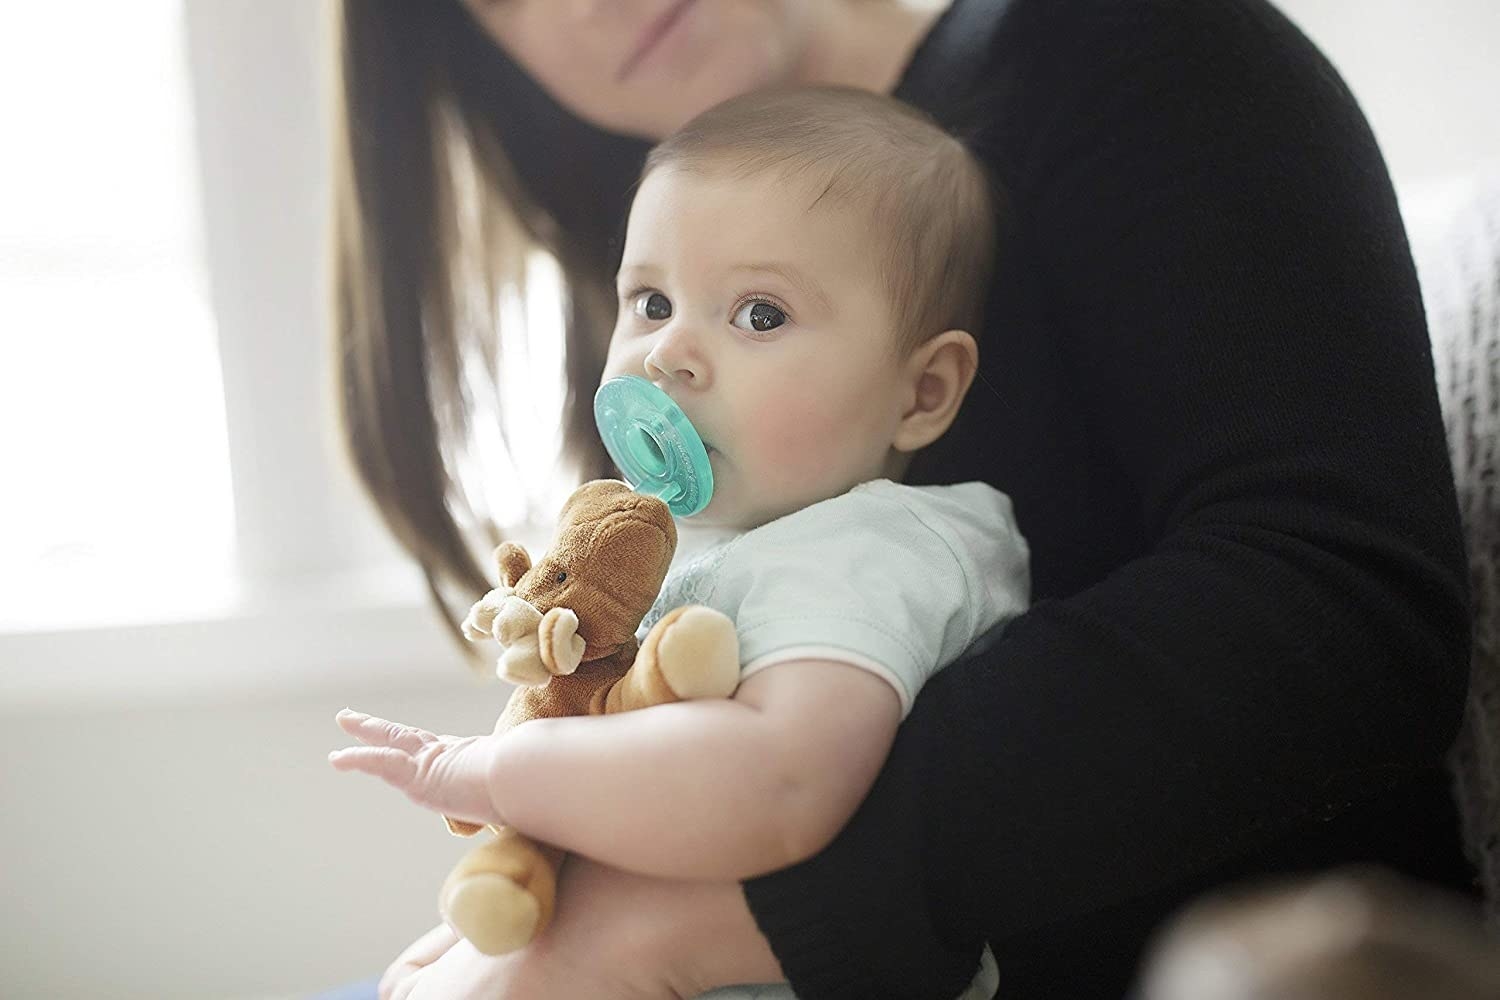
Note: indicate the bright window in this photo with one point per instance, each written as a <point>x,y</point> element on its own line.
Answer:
<point>112,431</point>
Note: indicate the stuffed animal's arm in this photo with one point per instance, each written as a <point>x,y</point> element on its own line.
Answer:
<point>708,789</point>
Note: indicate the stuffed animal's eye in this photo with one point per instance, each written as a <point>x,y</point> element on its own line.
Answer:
<point>562,576</point>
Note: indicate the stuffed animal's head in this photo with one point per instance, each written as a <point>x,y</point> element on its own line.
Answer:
<point>607,562</point>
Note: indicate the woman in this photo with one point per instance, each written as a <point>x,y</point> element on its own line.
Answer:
<point>1205,384</point>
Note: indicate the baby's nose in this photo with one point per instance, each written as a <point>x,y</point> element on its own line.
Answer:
<point>659,372</point>
<point>672,360</point>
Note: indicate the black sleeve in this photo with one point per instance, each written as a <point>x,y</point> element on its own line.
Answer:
<point>1223,254</point>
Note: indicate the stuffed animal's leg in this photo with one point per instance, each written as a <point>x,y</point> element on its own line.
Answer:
<point>501,894</point>
<point>692,652</point>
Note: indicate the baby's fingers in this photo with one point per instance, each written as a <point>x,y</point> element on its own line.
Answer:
<point>391,764</point>
<point>382,732</point>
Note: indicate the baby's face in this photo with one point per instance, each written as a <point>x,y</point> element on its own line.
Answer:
<point>766,321</point>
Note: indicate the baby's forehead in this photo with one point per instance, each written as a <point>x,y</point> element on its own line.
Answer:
<point>816,189</point>
<point>780,207</point>
<point>752,230</point>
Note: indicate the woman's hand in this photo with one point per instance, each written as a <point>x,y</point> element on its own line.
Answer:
<point>400,980</point>
<point>616,936</point>
<point>447,774</point>
<point>441,966</point>
<point>646,938</point>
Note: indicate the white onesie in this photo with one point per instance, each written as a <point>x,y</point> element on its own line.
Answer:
<point>897,579</point>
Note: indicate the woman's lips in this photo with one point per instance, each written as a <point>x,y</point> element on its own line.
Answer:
<point>652,36</point>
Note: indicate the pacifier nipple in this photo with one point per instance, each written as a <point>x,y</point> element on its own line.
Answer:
<point>654,444</point>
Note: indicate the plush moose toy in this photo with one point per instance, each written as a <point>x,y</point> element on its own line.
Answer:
<point>567,630</point>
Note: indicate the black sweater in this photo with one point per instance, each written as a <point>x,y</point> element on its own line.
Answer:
<point>1205,382</point>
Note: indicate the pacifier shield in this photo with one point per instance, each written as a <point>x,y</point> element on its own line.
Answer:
<point>654,444</point>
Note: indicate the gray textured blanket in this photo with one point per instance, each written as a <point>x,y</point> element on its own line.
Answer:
<point>1455,235</point>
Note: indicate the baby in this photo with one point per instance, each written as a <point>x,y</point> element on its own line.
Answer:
<point>803,272</point>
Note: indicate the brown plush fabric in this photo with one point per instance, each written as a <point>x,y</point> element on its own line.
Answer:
<point>607,563</point>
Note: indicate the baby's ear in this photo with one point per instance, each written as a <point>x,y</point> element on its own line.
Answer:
<point>937,377</point>
<point>513,562</point>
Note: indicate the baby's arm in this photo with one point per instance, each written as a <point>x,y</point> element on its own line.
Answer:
<point>704,789</point>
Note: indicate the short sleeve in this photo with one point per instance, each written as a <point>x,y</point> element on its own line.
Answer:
<point>895,579</point>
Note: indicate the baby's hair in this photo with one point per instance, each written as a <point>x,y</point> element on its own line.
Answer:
<point>926,200</point>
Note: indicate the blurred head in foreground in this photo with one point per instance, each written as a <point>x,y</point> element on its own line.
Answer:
<point>1353,935</point>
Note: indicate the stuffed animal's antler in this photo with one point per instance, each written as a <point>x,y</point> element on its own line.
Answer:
<point>560,644</point>
<point>479,623</point>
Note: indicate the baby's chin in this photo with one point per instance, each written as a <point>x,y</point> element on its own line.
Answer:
<point>727,511</point>
<point>724,512</point>
<point>734,507</point>
<point>720,514</point>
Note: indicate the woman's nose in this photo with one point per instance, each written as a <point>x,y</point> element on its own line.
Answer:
<point>676,357</point>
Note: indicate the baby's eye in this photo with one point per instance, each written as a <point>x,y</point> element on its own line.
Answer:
<point>653,306</point>
<point>759,316</point>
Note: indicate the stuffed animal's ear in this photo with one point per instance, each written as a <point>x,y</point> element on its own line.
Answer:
<point>513,562</point>
<point>461,828</point>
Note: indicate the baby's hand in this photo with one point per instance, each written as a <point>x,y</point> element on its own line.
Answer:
<point>447,774</point>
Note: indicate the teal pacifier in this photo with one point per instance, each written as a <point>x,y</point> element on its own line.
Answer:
<point>654,444</point>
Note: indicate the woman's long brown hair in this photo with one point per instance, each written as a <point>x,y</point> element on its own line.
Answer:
<point>431,222</point>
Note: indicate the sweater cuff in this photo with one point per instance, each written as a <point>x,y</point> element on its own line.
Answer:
<point>812,946</point>
<point>899,960</point>
<point>853,922</point>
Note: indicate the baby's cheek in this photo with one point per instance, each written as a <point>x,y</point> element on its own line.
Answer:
<point>797,445</point>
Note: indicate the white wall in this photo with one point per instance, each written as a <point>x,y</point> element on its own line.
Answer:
<point>198,846</point>
<point>1424,72</point>
<point>209,851</point>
